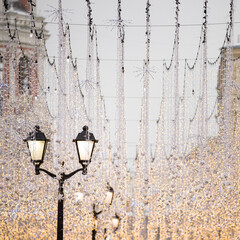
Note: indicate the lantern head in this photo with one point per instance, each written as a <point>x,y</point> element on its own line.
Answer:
<point>37,144</point>
<point>109,195</point>
<point>85,143</point>
<point>115,222</point>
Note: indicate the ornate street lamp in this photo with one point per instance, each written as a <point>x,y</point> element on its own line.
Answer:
<point>37,144</point>
<point>115,222</point>
<point>109,196</point>
<point>95,218</point>
<point>96,213</point>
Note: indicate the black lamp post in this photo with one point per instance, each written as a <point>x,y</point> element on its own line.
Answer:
<point>37,144</point>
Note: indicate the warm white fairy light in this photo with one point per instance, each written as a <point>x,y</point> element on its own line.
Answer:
<point>142,165</point>
<point>190,195</point>
<point>175,135</point>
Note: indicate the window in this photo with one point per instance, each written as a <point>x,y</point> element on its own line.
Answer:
<point>24,75</point>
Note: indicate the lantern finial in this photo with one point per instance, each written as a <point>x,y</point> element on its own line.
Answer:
<point>85,128</point>
<point>37,128</point>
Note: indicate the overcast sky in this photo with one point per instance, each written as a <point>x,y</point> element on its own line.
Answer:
<point>162,37</point>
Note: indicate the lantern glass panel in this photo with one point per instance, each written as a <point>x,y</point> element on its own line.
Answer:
<point>79,197</point>
<point>109,197</point>
<point>85,149</point>
<point>36,149</point>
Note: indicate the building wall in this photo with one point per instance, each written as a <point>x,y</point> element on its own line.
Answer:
<point>25,4</point>
<point>15,77</point>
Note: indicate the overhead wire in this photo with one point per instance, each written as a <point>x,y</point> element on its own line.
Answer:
<point>151,25</point>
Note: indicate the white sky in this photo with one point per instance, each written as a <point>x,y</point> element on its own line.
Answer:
<point>162,13</point>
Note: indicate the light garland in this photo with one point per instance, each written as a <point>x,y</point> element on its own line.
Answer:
<point>188,193</point>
